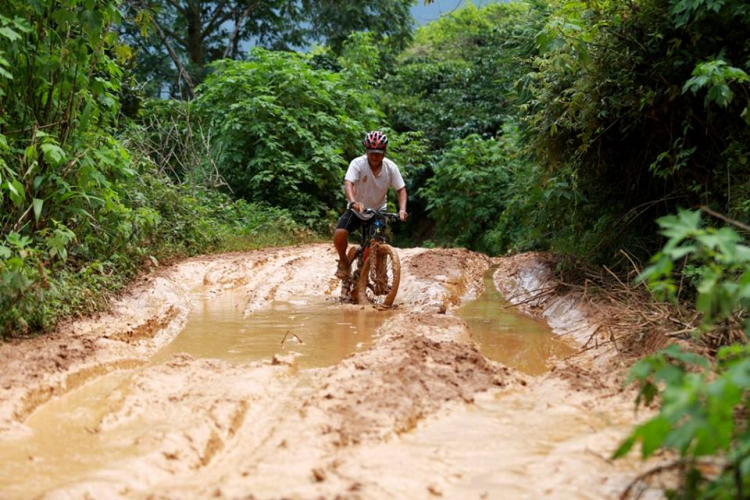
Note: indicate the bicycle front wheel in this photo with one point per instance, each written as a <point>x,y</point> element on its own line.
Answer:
<point>380,277</point>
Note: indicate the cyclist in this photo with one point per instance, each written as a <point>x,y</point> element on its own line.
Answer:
<point>366,184</point>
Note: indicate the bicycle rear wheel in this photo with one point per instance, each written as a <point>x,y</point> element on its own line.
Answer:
<point>380,277</point>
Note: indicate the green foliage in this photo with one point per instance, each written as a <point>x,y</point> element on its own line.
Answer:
<point>703,413</point>
<point>284,130</point>
<point>717,75</point>
<point>79,214</point>
<point>202,32</point>
<point>642,103</point>
<point>388,21</point>
<point>460,85</point>
<point>459,77</point>
<point>703,406</point>
<point>719,259</point>
<point>469,188</point>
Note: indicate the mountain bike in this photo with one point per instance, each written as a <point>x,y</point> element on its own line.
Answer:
<point>378,272</point>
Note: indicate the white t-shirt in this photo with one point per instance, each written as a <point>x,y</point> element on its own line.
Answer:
<point>370,190</point>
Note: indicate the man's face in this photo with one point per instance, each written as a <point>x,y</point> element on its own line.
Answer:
<point>375,158</point>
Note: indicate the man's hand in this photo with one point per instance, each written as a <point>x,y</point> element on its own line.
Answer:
<point>402,215</point>
<point>357,206</point>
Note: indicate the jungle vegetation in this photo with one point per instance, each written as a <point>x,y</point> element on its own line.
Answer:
<point>138,131</point>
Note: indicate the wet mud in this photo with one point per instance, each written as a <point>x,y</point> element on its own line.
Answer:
<point>242,376</point>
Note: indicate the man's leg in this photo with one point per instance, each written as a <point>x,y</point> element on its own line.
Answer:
<point>347,223</point>
<point>341,241</point>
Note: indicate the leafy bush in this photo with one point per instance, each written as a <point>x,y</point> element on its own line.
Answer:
<point>284,130</point>
<point>703,405</point>
<point>79,214</point>
<point>469,188</point>
<point>641,104</point>
<point>702,415</point>
<point>462,79</point>
<point>157,220</point>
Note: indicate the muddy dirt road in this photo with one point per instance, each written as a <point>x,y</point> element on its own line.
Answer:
<point>242,376</point>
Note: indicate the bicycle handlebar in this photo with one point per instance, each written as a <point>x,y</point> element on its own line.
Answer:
<point>384,213</point>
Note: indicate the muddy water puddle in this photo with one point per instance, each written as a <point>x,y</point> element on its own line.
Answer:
<point>318,332</point>
<point>507,336</point>
<point>66,442</point>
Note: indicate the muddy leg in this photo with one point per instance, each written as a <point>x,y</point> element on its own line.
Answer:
<point>340,241</point>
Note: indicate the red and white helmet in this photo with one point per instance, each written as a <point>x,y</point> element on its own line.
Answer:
<point>376,140</point>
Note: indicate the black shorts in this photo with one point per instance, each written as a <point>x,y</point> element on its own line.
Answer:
<point>350,221</point>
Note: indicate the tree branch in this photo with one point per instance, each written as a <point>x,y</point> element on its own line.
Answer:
<point>183,73</point>
<point>217,19</point>
<point>725,218</point>
<point>237,27</point>
<point>176,37</point>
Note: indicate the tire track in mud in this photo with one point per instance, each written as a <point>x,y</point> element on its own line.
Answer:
<point>39,369</point>
<point>41,395</point>
<point>208,428</point>
<point>421,363</point>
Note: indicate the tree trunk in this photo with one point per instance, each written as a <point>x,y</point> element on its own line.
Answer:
<point>195,34</point>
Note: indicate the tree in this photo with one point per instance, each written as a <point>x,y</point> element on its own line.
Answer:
<point>333,21</point>
<point>177,39</point>
<point>285,130</point>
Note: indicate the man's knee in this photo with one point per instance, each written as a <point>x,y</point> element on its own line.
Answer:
<point>340,234</point>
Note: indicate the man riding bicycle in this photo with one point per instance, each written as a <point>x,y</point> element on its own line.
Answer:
<point>366,184</point>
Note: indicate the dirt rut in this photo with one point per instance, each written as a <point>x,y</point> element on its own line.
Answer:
<point>198,428</point>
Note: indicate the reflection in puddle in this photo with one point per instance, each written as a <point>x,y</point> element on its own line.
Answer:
<point>505,335</point>
<point>321,333</point>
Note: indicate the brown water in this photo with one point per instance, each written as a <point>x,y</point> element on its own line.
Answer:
<point>65,445</point>
<point>507,336</point>
<point>319,332</point>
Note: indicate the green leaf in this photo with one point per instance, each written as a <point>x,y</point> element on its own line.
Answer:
<point>9,34</point>
<point>16,191</point>
<point>624,447</point>
<point>37,205</point>
<point>652,434</point>
<point>53,153</point>
<point>22,25</point>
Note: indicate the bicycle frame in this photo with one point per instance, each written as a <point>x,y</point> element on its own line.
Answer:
<point>373,232</point>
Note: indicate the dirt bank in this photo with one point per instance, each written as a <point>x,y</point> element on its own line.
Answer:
<point>420,414</point>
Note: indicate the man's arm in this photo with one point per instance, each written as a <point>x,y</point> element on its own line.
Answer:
<point>402,204</point>
<point>349,191</point>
